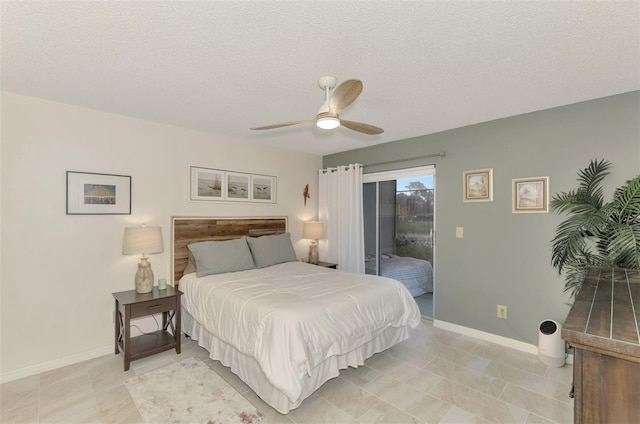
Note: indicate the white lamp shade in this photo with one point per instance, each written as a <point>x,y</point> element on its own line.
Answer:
<point>313,230</point>
<point>142,240</point>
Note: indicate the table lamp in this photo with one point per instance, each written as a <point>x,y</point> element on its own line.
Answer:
<point>143,240</point>
<point>314,231</point>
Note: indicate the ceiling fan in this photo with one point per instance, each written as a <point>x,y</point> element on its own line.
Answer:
<point>327,117</point>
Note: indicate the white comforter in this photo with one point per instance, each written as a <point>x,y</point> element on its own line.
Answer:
<point>292,316</point>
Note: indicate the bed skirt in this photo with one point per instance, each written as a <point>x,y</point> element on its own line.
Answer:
<point>249,371</point>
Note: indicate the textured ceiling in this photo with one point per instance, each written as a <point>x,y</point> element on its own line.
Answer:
<point>223,67</point>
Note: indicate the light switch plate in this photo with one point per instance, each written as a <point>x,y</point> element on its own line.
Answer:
<point>459,232</point>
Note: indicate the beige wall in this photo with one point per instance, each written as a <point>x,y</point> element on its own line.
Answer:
<point>58,271</point>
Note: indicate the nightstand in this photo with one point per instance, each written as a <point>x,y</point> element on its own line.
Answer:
<point>130,304</point>
<point>327,265</point>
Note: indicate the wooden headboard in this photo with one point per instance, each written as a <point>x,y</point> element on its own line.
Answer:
<point>189,229</point>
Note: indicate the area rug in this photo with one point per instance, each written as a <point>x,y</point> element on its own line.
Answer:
<point>189,392</point>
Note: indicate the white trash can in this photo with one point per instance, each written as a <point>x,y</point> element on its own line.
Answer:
<point>551,347</point>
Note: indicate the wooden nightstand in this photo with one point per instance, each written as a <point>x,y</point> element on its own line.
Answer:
<point>327,265</point>
<point>130,304</point>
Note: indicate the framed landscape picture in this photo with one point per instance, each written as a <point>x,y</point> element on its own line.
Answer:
<point>530,195</point>
<point>477,185</point>
<point>98,194</point>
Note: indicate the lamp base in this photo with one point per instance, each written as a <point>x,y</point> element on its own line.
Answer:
<point>144,276</point>
<point>313,253</point>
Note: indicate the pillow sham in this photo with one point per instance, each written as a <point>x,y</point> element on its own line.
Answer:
<point>217,257</point>
<point>271,250</point>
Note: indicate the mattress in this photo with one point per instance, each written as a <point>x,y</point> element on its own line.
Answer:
<point>291,326</point>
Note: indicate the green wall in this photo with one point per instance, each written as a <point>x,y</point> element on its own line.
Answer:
<point>504,258</point>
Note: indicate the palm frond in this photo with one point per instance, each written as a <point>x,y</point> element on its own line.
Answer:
<point>624,245</point>
<point>613,228</point>
<point>588,196</point>
<point>572,235</point>
<point>576,272</point>
<point>590,179</point>
<point>574,201</point>
<point>626,200</point>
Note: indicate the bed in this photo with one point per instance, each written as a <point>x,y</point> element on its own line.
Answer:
<point>284,328</point>
<point>415,274</point>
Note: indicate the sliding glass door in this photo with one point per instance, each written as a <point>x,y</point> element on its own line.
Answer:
<point>399,229</point>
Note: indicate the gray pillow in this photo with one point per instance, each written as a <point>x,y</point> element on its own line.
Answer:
<point>217,257</point>
<point>271,250</point>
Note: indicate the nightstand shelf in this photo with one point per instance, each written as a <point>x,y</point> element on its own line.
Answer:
<point>130,304</point>
<point>150,344</point>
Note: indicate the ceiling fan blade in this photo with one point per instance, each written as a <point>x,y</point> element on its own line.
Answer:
<point>360,127</point>
<point>284,124</point>
<point>344,95</point>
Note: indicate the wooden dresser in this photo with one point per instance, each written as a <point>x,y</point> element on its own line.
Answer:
<point>602,326</point>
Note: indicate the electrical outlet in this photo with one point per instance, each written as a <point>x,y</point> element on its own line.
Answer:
<point>502,311</point>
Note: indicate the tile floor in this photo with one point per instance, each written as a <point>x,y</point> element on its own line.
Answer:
<point>434,377</point>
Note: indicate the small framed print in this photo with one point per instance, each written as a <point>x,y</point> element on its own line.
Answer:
<point>530,195</point>
<point>207,184</point>
<point>478,185</point>
<point>263,189</point>
<point>98,194</point>
<point>238,186</point>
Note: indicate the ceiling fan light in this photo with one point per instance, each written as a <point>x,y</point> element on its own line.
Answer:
<point>328,123</point>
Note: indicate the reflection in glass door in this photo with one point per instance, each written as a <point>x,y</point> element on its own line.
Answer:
<point>399,230</point>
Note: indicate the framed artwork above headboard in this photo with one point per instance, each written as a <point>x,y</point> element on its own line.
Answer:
<point>189,229</point>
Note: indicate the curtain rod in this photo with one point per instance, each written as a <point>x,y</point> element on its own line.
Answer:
<point>432,155</point>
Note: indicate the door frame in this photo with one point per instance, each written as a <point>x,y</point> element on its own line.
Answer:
<point>375,177</point>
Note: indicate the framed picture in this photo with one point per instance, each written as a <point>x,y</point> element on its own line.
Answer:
<point>98,194</point>
<point>478,185</point>
<point>207,184</point>
<point>263,189</point>
<point>218,185</point>
<point>531,195</point>
<point>237,186</point>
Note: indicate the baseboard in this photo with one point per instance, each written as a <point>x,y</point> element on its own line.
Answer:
<point>493,338</point>
<point>57,363</point>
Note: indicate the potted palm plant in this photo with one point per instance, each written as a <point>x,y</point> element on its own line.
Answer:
<point>595,233</point>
